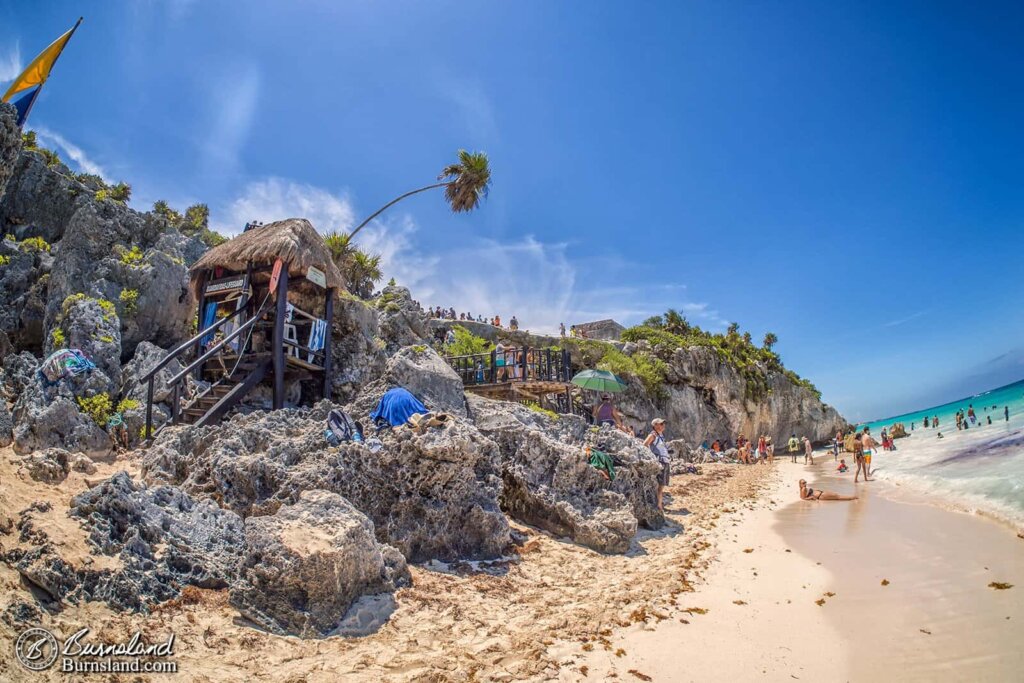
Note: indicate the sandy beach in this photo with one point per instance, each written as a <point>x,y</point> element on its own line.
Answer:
<point>746,582</point>
<point>844,591</point>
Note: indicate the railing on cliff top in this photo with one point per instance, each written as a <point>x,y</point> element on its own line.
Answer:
<point>513,364</point>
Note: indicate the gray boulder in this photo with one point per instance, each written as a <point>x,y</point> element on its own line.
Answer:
<point>50,466</point>
<point>424,373</point>
<point>549,483</point>
<point>93,327</point>
<point>433,495</point>
<point>401,321</point>
<point>23,287</point>
<point>357,351</point>
<point>305,566</point>
<point>148,356</point>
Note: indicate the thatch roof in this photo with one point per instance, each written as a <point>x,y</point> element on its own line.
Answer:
<point>293,240</point>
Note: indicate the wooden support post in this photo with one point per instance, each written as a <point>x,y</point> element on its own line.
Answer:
<point>494,356</point>
<point>278,350</point>
<point>149,410</point>
<point>329,319</point>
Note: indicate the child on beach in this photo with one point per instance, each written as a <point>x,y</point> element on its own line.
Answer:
<point>842,469</point>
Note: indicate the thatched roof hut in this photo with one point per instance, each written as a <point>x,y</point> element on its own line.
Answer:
<point>294,240</point>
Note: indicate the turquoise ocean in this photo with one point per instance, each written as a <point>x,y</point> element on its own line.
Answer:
<point>979,469</point>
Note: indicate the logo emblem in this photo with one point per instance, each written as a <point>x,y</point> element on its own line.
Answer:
<point>36,649</point>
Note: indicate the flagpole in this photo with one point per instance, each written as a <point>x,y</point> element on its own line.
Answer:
<point>32,102</point>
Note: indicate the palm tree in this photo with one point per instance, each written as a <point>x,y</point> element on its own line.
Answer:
<point>676,322</point>
<point>770,340</point>
<point>734,329</point>
<point>361,270</point>
<point>464,183</point>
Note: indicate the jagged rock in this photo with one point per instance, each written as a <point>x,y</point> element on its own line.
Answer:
<point>424,373</point>
<point>50,466</point>
<point>304,566</point>
<point>50,418</point>
<point>548,482</point>
<point>150,292</point>
<point>147,356</point>
<point>433,495</point>
<point>401,321</point>
<point>10,143</point>
<point>23,288</point>
<point>357,351</point>
<point>45,569</point>
<point>20,614</point>
<point>164,538</point>
<point>40,201</point>
<point>96,331</point>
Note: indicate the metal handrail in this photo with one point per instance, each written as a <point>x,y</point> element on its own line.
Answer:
<point>184,346</point>
<point>212,351</point>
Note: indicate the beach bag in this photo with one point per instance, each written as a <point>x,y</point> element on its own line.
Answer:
<point>65,363</point>
<point>341,427</point>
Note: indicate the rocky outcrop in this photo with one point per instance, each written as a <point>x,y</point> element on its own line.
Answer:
<point>95,330</point>
<point>304,566</point>
<point>425,374</point>
<point>432,495</point>
<point>110,253</point>
<point>24,271</point>
<point>40,200</point>
<point>10,143</point>
<point>164,538</point>
<point>549,483</point>
<point>401,321</point>
<point>50,466</point>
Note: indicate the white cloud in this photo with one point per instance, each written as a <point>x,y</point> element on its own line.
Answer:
<point>69,151</point>
<point>536,281</point>
<point>10,64</point>
<point>274,199</point>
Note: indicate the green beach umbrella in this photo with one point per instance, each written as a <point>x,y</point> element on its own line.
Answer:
<point>599,380</point>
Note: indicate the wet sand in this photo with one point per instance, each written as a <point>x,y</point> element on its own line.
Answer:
<point>937,619</point>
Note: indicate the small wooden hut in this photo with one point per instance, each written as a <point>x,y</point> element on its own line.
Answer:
<point>266,304</point>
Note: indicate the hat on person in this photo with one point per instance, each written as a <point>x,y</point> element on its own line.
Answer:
<point>657,421</point>
<point>606,397</point>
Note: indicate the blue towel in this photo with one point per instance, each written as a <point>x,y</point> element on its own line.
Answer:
<point>209,317</point>
<point>396,405</point>
<point>317,335</point>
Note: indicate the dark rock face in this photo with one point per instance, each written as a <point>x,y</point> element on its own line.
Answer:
<point>548,482</point>
<point>199,543</point>
<point>97,333</point>
<point>40,201</point>
<point>10,143</point>
<point>433,495</point>
<point>304,566</point>
<point>23,293</point>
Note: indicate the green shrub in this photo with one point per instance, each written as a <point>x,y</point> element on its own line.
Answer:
<point>90,179</point>
<point>97,407</point>
<point>106,339</point>
<point>648,369</point>
<point>535,407</point>
<point>419,348</point>
<point>131,257</point>
<point>391,282</point>
<point>108,308</point>
<point>212,238</point>
<point>129,299</point>
<point>4,259</point>
<point>34,245</point>
<point>127,404</point>
<point>49,156</point>
<point>28,140</point>
<point>57,338</point>
<point>162,208</point>
<point>466,343</point>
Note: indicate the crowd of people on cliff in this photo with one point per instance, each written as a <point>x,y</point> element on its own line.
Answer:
<point>450,314</point>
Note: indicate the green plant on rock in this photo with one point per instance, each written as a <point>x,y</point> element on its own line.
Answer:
<point>535,407</point>
<point>57,338</point>
<point>131,257</point>
<point>4,259</point>
<point>106,339</point>
<point>33,245</point>
<point>130,299</point>
<point>466,343</point>
<point>127,404</point>
<point>28,140</point>
<point>108,308</point>
<point>97,407</point>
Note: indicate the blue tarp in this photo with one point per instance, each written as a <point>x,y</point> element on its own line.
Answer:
<point>396,406</point>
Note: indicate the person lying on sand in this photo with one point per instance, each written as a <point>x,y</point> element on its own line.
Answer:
<point>807,493</point>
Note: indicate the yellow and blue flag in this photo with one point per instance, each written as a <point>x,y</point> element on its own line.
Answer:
<point>31,80</point>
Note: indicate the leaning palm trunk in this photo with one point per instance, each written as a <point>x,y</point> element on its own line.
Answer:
<point>391,203</point>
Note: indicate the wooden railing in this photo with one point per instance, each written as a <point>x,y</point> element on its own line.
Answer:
<point>514,364</point>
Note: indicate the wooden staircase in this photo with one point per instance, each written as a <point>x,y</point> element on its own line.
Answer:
<point>227,389</point>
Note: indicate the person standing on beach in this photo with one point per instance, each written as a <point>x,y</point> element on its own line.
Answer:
<point>1006,413</point>
<point>838,445</point>
<point>970,413</point>
<point>808,451</point>
<point>656,442</point>
<point>762,450</point>
<point>858,457</point>
<point>794,446</point>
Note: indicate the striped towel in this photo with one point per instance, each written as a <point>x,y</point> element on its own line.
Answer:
<point>317,335</point>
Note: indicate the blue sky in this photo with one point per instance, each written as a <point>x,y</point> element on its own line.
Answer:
<point>847,175</point>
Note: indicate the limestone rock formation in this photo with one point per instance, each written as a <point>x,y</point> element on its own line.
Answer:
<point>10,143</point>
<point>50,466</point>
<point>424,373</point>
<point>304,566</point>
<point>433,495</point>
<point>95,330</point>
<point>549,483</point>
<point>402,322</point>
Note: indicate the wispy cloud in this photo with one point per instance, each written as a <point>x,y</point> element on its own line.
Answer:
<point>273,199</point>
<point>907,319</point>
<point>10,64</point>
<point>233,98</point>
<point>537,281</point>
<point>69,151</point>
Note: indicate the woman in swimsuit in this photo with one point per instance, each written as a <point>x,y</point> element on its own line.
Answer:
<point>807,493</point>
